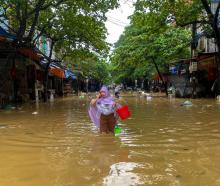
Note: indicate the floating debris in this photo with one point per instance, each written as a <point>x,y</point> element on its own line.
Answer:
<point>187,103</point>
<point>149,98</point>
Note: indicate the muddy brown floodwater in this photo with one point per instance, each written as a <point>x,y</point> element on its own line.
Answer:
<point>163,144</point>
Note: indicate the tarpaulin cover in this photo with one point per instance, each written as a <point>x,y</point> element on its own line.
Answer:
<point>4,33</point>
<point>57,72</point>
<point>70,74</point>
<point>29,52</point>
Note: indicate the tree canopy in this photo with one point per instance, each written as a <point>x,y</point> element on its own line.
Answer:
<point>76,28</point>
<point>202,14</point>
<point>164,30</point>
<point>148,37</point>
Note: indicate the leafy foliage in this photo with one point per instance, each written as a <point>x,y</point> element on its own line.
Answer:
<point>145,39</point>
<point>75,27</point>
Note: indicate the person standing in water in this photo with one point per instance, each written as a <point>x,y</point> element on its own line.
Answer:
<point>117,91</point>
<point>216,86</point>
<point>102,111</point>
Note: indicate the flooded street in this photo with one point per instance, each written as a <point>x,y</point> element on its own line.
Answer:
<point>163,143</point>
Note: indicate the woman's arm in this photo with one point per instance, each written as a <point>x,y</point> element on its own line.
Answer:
<point>93,101</point>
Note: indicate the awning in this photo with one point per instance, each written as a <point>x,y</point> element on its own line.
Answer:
<point>29,52</point>
<point>58,72</point>
<point>69,74</point>
<point>202,56</point>
<point>44,62</point>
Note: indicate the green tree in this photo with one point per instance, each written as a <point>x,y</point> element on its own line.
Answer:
<point>71,25</point>
<point>203,14</point>
<point>23,17</point>
<point>90,65</point>
<point>145,45</point>
<point>26,17</point>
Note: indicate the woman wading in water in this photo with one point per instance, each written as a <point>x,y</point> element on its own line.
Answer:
<point>102,111</point>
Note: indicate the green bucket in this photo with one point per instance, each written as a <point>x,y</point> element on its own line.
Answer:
<point>117,130</point>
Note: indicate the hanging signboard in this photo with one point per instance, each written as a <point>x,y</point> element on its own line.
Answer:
<point>173,69</point>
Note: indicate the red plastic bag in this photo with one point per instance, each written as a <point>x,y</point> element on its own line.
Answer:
<point>123,112</point>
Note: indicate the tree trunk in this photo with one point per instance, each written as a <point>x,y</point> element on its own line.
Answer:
<point>46,81</point>
<point>158,71</point>
<point>77,86</point>
<point>15,87</point>
<point>47,72</point>
<point>35,21</point>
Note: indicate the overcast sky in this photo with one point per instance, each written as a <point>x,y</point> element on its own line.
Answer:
<point>118,19</point>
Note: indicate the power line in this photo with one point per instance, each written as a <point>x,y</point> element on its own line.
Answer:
<point>118,24</point>
<point>118,20</point>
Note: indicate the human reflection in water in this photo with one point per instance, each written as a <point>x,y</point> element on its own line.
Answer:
<point>106,151</point>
